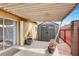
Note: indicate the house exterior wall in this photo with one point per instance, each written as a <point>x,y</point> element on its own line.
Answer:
<point>31,27</point>
<point>25,27</point>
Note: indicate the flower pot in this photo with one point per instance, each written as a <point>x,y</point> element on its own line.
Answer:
<point>28,41</point>
<point>51,47</point>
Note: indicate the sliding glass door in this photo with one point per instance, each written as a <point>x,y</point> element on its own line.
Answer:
<point>1,34</point>
<point>8,33</point>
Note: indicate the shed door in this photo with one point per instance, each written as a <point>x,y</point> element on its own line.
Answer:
<point>44,33</point>
<point>47,33</point>
<point>51,33</point>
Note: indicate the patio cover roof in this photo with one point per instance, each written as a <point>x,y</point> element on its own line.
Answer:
<point>39,11</point>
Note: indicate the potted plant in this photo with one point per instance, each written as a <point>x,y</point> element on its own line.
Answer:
<point>29,38</point>
<point>52,47</point>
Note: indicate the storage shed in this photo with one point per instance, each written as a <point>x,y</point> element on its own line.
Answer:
<point>47,31</point>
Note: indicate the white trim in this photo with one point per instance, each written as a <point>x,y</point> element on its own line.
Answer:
<point>21,31</point>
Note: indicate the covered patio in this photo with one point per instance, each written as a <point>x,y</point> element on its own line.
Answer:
<point>30,15</point>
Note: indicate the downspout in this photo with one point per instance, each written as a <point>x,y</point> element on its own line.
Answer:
<point>58,31</point>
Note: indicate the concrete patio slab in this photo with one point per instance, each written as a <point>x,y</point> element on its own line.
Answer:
<point>38,48</point>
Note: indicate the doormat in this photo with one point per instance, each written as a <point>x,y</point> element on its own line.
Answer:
<point>10,52</point>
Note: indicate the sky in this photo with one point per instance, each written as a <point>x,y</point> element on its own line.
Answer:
<point>74,15</point>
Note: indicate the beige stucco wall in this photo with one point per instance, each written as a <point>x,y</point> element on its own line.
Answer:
<point>31,27</point>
